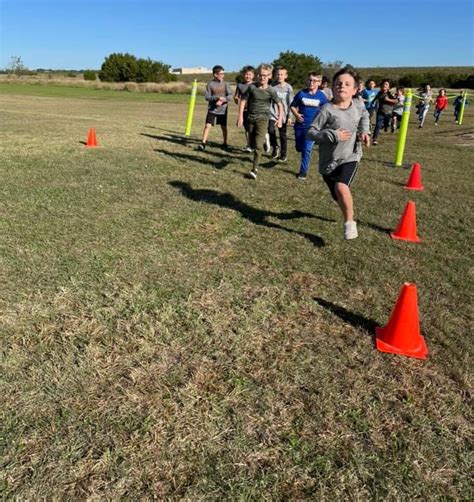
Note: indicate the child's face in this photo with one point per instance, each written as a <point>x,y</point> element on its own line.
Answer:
<point>219,75</point>
<point>281,76</point>
<point>345,86</point>
<point>264,77</point>
<point>385,86</point>
<point>313,82</point>
<point>371,84</point>
<point>249,76</point>
<point>442,92</point>
<point>399,92</point>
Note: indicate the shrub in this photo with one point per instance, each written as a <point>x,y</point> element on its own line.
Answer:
<point>89,75</point>
<point>127,68</point>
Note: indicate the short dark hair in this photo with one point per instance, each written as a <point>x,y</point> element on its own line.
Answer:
<point>217,68</point>
<point>247,68</point>
<point>347,71</point>
<point>324,80</point>
<point>385,80</point>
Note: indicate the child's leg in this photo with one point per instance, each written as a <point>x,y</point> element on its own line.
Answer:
<point>306,157</point>
<point>224,134</point>
<point>283,141</point>
<point>345,201</point>
<point>205,132</point>
<point>378,125</point>
<point>386,122</point>
<point>272,133</point>
<point>261,127</point>
<point>423,115</point>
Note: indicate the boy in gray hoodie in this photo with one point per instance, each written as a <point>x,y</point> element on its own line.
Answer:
<point>339,129</point>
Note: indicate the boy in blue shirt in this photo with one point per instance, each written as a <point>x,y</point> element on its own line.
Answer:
<point>305,107</point>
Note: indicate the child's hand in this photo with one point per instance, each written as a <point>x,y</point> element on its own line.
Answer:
<point>300,118</point>
<point>280,124</point>
<point>220,102</point>
<point>343,134</point>
<point>365,138</point>
<point>240,122</point>
<point>289,121</point>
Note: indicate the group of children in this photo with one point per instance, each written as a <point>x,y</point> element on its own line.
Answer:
<point>331,118</point>
<point>337,119</point>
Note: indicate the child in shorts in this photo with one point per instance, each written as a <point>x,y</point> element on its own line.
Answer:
<point>339,129</point>
<point>218,95</point>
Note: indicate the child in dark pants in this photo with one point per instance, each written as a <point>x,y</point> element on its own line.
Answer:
<point>339,129</point>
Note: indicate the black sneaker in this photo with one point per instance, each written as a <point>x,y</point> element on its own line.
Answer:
<point>225,146</point>
<point>275,153</point>
<point>202,147</point>
<point>283,159</point>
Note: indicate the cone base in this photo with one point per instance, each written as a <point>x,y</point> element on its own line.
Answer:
<point>420,353</point>
<point>398,237</point>
<point>92,146</point>
<point>414,188</point>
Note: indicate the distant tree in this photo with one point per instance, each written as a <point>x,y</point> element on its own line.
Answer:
<point>16,66</point>
<point>120,67</point>
<point>298,66</point>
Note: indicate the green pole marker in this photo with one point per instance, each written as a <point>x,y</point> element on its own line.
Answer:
<point>461,112</point>
<point>402,133</point>
<point>192,102</point>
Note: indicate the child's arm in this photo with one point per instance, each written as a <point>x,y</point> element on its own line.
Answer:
<point>290,96</point>
<point>240,119</point>
<point>319,132</point>
<point>280,115</point>
<point>237,95</point>
<point>363,127</point>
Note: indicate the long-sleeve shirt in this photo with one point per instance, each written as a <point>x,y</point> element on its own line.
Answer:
<point>214,91</point>
<point>323,131</point>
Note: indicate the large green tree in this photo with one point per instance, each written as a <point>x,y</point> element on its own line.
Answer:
<point>298,66</point>
<point>120,67</point>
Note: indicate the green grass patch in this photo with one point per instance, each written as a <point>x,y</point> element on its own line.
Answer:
<point>171,329</point>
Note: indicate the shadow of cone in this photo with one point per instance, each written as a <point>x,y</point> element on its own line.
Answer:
<point>414,181</point>
<point>91,139</point>
<point>406,229</point>
<point>402,333</point>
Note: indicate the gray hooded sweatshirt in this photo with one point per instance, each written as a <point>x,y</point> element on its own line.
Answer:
<point>323,131</point>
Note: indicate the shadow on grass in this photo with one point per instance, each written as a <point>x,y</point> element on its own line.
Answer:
<point>254,215</point>
<point>177,140</point>
<point>374,226</point>
<point>195,158</point>
<point>355,320</point>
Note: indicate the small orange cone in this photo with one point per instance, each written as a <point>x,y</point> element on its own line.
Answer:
<point>406,229</point>
<point>414,181</point>
<point>91,139</point>
<point>402,333</point>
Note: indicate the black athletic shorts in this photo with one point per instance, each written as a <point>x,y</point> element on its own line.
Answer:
<point>214,118</point>
<point>345,173</point>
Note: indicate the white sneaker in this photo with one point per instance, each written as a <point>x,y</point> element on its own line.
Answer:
<point>248,149</point>
<point>350,230</point>
<point>253,174</point>
<point>266,146</point>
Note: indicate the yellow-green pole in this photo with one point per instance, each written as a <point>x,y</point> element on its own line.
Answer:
<point>402,133</point>
<point>192,102</point>
<point>461,112</point>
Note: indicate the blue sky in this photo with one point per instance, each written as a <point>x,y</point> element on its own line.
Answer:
<point>79,34</point>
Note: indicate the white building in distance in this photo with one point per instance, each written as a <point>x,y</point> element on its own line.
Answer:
<point>188,71</point>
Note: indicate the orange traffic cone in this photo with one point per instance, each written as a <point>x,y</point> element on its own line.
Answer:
<point>406,229</point>
<point>91,139</point>
<point>414,181</point>
<point>402,333</point>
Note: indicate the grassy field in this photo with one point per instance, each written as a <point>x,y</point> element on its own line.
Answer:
<point>174,330</point>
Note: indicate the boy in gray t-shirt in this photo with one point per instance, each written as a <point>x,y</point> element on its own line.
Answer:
<point>285,93</point>
<point>248,77</point>
<point>218,95</point>
<point>339,129</point>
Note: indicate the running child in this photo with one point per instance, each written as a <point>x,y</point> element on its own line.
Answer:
<point>424,104</point>
<point>248,77</point>
<point>440,105</point>
<point>305,107</point>
<point>259,99</point>
<point>385,101</point>
<point>397,111</point>
<point>285,93</point>
<point>368,95</point>
<point>457,105</point>
<point>339,129</point>
<point>218,95</point>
